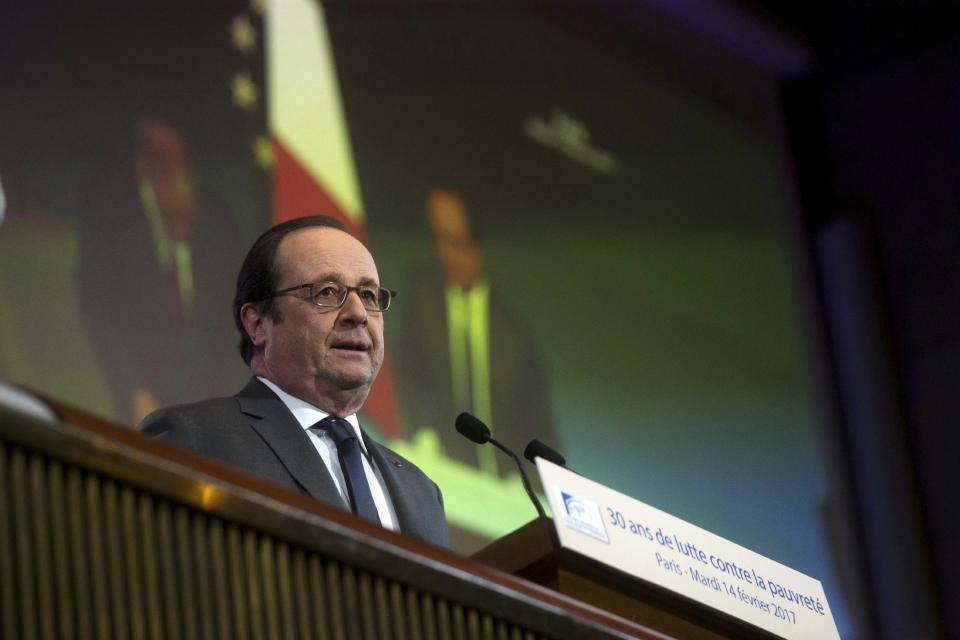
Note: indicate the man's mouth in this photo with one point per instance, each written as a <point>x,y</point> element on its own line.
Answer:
<point>352,345</point>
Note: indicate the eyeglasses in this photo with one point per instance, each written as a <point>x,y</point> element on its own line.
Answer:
<point>333,295</point>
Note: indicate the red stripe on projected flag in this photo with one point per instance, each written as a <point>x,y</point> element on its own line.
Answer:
<point>297,193</point>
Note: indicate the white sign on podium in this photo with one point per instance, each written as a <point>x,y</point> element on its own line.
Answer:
<point>654,546</point>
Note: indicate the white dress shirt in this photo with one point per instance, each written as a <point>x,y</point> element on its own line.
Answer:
<point>308,415</point>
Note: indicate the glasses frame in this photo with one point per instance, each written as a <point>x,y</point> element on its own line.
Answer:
<point>348,289</point>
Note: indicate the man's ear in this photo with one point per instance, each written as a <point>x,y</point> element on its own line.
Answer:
<point>253,323</point>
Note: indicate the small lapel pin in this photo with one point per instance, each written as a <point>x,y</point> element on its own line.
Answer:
<point>397,464</point>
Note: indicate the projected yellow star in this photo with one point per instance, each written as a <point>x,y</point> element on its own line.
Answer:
<point>263,152</point>
<point>246,94</point>
<point>243,35</point>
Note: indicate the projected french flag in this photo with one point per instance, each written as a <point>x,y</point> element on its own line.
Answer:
<point>313,170</point>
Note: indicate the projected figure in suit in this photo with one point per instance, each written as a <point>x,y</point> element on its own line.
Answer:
<point>463,350</point>
<point>156,264</point>
<point>310,312</point>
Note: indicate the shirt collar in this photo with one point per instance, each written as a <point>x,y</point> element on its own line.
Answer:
<point>308,415</point>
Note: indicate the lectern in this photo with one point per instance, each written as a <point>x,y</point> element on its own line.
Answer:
<point>533,552</point>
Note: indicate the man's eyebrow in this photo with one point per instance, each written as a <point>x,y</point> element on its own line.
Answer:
<point>338,277</point>
<point>328,276</point>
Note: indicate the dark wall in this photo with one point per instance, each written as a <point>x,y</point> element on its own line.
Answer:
<point>878,153</point>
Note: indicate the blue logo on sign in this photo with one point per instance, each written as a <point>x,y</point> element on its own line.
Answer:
<point>582,515</point>
<point>573,505</point>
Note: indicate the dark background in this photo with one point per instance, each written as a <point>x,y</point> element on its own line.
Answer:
<point>874,129</point>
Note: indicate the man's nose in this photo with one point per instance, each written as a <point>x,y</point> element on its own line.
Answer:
<point>353,311</point>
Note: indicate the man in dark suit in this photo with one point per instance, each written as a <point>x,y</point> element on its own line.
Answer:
<point>309,308</point>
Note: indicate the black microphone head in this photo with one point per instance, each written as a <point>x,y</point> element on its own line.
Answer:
<point>472,428</point>
<point>537,449</point>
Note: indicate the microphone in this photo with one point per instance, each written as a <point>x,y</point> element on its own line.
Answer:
<point>537,449</point>
<point>473,429</point>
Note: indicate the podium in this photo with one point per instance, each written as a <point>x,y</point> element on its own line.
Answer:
<point>533,552</point>
<point>107,534</point>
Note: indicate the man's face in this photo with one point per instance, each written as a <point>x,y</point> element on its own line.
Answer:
<point>461,258</point>
<point>315,352</point>
<point>163,161</point>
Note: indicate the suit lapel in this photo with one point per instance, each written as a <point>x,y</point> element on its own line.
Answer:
<point>270,418</point>
<point>394,473</point>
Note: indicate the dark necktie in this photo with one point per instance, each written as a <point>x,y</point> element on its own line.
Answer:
<point>351,463</point>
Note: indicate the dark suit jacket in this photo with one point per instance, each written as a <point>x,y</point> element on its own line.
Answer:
<point>256,432</point>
